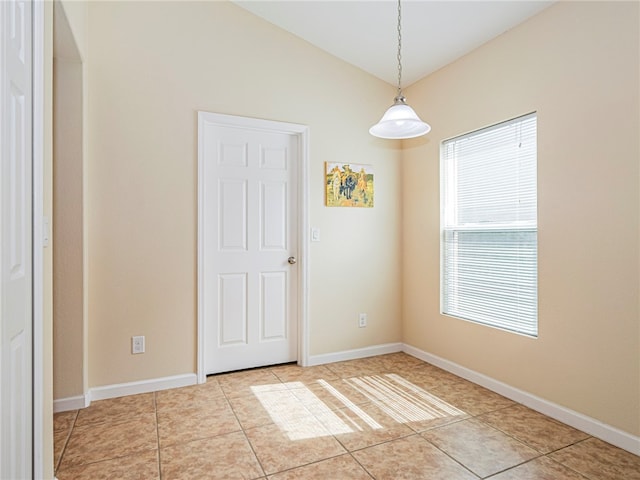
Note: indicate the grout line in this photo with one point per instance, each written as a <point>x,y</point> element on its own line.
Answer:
<point>567,466</point>
<point>66,442</point>
<point>516,465</point>
<point>524,442</point>
<point>309,463</point>
<point>499,409</point>
<point>539,454</point>
<point>510,435</point>
<point>361,466</point>
<point>570,445</point>
<point>155,408</point>
<point>454,459</point>
<point>244,433</point>
<point>253,451</point>
<point>105,460</point>
<point>390,440</point>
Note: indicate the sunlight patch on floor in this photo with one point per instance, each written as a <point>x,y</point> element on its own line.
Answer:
<point>402,400</point>
<point>301,414</point>
<point>298,417</point>
<point>350,405</point>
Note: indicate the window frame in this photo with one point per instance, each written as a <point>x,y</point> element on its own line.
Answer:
<point>449,224</point>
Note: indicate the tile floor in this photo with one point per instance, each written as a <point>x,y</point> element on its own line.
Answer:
<point>386,417</point>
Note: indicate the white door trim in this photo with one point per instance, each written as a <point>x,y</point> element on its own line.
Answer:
<point>302,132</point>
<point>39,233</point>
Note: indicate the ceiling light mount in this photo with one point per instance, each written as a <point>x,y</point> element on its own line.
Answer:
<point>400,120</point>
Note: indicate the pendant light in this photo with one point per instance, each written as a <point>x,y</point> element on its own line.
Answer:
<point>400,120</point>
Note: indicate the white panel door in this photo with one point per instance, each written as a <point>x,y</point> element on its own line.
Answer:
<point>249,221</point>
<point>15,241</point>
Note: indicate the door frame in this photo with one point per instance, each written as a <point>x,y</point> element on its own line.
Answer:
<point>302,133</point>
<point>41,445</point>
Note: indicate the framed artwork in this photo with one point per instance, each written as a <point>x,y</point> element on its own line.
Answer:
<point>348,185</point>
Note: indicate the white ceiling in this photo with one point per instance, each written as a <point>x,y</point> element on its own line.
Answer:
<point>364,33</point>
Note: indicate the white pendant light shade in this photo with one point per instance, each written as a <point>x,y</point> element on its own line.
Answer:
<point>399,121</point>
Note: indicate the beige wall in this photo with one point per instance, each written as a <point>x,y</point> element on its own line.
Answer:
<point>76,15</point>
<point>68,307</point>
<point>577,65</point>
<point>69,366</point>
<point>151,67</point>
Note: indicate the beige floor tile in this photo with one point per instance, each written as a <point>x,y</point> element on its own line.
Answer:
<point>64,420</point>
<point>142,466</point>
<point>203,396</point>
<point>247,382</point>
<point>354,368</point>
<point>410,458</point>
<point>470,398</point>
<point>343,467</point>
<point>599,460</point>
<point>115,410</point>
<point>188,424</point>
<point>430,377</point>
<point>399,362</point>
<point>530,427</point>
<point>296,373</point>
<point>250,411</point>
<point>541,468</point>
<point>436,422</point>
<point>105,441</point>
<point>223,457</point>
<point>363,426</point>
<point>285,446</point>
<point>480,447</point>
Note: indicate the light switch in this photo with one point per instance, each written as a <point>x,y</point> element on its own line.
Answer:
<point>315,234</point>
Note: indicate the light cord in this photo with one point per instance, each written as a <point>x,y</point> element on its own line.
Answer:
<point>399,50</point>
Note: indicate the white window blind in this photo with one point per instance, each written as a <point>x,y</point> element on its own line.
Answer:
<point>489,241</point>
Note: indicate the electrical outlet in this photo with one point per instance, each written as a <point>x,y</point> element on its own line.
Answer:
<point>137,344</point>
<point>362,320</point>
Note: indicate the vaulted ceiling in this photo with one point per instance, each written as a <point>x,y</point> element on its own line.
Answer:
<point>364,33</point>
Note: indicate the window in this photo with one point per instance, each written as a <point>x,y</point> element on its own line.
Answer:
<point>489,243</point>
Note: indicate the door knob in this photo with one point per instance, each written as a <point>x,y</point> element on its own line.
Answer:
<point>292,260</point>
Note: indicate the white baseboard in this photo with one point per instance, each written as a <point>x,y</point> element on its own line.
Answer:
<point>143,386</point>
<point>609,434</point>
<point>71,403</point>
<point>355,354</point>
<point>122,389</point>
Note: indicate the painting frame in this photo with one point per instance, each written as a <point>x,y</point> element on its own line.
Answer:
<point>349,185</point>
